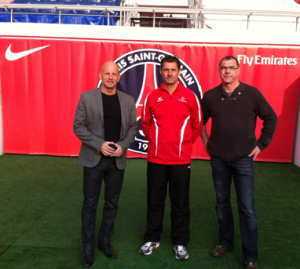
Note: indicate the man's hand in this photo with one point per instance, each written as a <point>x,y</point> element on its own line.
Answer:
<point>254,152</point>
<point>118,151</point>
<point>107,150</point>
<point>204,137</point>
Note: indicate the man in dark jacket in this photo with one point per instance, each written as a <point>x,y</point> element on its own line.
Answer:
<point>105,122</point>
<point>234,107</point>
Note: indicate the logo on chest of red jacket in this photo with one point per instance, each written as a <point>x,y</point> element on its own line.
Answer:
<point>140,75</point>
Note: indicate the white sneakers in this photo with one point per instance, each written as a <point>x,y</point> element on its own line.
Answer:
<point>180,250</point>
<point>148,247</point>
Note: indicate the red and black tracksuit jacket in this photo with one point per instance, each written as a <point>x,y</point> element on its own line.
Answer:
<point>171,123</point>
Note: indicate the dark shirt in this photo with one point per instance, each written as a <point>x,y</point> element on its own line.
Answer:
<point>234,121</point>
<point>112,117</point>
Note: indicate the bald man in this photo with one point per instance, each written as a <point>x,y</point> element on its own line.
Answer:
<point>105,122</point>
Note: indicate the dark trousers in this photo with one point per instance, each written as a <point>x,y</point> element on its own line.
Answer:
<point>178,176</point>
<point>113,177</point>
<point>242,172</point>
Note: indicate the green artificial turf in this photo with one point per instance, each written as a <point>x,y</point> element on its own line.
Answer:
<point>40,225</point>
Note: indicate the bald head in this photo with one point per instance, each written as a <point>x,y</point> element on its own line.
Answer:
<point>110,76</point>
<point>110,65</point>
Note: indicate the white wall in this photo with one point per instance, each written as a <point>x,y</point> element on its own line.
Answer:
<point>258,23</point>
<point>183,35</point>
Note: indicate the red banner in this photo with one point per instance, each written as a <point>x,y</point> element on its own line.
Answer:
<point>42,80</point>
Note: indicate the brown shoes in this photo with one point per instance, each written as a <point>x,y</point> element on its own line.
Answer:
<point>108,250</point>
<point>251,265</point>
<point>220,251</point>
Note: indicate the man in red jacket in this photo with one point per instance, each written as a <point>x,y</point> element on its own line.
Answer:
<point>171,121</point>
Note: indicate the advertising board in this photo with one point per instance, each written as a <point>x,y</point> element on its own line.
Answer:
<point>42,80</point>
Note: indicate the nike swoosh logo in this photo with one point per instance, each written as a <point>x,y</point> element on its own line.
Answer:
<point>11,56</point>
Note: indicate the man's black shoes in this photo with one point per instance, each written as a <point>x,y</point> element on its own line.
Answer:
<point>108,250</point>
<point>87,258</point>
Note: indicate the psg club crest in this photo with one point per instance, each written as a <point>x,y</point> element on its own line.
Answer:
<point>140,75</point>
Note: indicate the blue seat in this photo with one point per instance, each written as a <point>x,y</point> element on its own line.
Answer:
<point>5,17</point>
<point>79,17</point>
<point>36,10</point>
<point>111,2</point>
<point>93,20</point>
<point>35,18</point>
<point>103,2</point>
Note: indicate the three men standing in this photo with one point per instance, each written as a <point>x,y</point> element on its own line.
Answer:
<point>233,107</point>
<point>105,122</point>
<point>171,121</point>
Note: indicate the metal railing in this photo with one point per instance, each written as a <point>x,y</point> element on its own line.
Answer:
<point>196,15</point>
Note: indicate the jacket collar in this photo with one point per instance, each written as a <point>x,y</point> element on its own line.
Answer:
<point>240,88</point>
<point>179,86</point>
